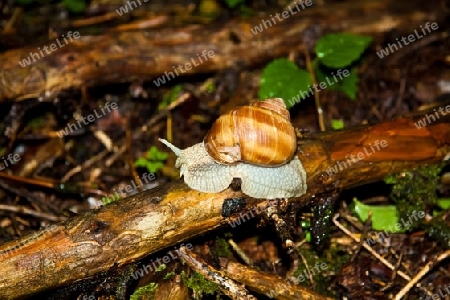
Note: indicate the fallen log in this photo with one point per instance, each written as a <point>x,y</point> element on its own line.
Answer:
<point>149,54</point>
<point>125,231</point>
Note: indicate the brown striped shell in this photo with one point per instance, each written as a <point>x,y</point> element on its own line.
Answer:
<point>260,134</point>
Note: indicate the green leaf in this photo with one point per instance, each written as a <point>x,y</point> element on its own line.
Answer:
<point>169,275</point>
<point>162,155</point>
<point>233,3</point>
<point>153,167</point>
<point>199,284</point>
<point>349,85</point>
<point>145,292</point>
<point>160,268</point>
<point>383,217</point>
<point>337,124</point>
<point>155,154</point>
<point>340,50</point>
<point>106,200</point>
<point>151,154</point>
<point>444,203</point>
<point>390,179</point>
<point>344,81</point>
<point>75,6</point>
<point>170,96</point>
<point>210,87</point>
<point>308,237</point>
<point>282,78</point>
<point>305,224</point>
<point>153,160</point>
<point>141,162</point>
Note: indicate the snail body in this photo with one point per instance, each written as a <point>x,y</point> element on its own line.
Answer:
<point>260,133</point>
<point>255,143</point>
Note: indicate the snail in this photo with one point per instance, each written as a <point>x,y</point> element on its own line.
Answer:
<point>256,143</point>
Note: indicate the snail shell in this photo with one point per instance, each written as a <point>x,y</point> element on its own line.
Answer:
<point>255,143</point>
<point>260,133</point>
<point>203,174</point>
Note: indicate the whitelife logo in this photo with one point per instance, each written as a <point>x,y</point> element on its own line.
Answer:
<point>13,159</point>
<point>35,56</point>
<point>124,9</point>
<point>318,87</point>
<point>90,118</point>
<point>360,156</point>
<point>300,278</point>
<point>430,118</point>
<point>162,80</point>
<point>382,235</point>
<point>284,15</point>
<point>411,38</point>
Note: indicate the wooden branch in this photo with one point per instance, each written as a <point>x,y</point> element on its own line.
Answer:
<point>146,55</point>
<point>268,284</point>
<point>226,285</point>
<point>127,230</point>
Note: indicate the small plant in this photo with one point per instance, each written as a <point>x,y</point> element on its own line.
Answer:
<point>200,285</point>
<point>337,124</point>
<point>145,293</point>
<point>107,200</point>
<point>170,96</point>
<point>282,78</point>
<point>153,160</point>
<point>222,248</point>
<point>161,267</point>
<point>384,217</point>
<point>414,193</point>
<point>416,190</point>
<point>169,275</point>
<point>336,51</point>
<point>306,225</point>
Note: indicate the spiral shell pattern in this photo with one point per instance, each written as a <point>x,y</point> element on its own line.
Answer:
<point>260,134</point>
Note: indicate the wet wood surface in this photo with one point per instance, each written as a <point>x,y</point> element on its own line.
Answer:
<point>127,56</point>
<point>125,231</point>
<point>268,284</point>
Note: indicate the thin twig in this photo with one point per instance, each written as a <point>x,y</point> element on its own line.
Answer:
<point>226,285</point>
<point>123,148</point>
<point>150,123</point>
<point>419,275</point>
<point>370,249</point>
<point>319,109</point>
<point>30,212</point>
<point>86,164</point>
<point>130,157</point>
<point>241,253</point>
